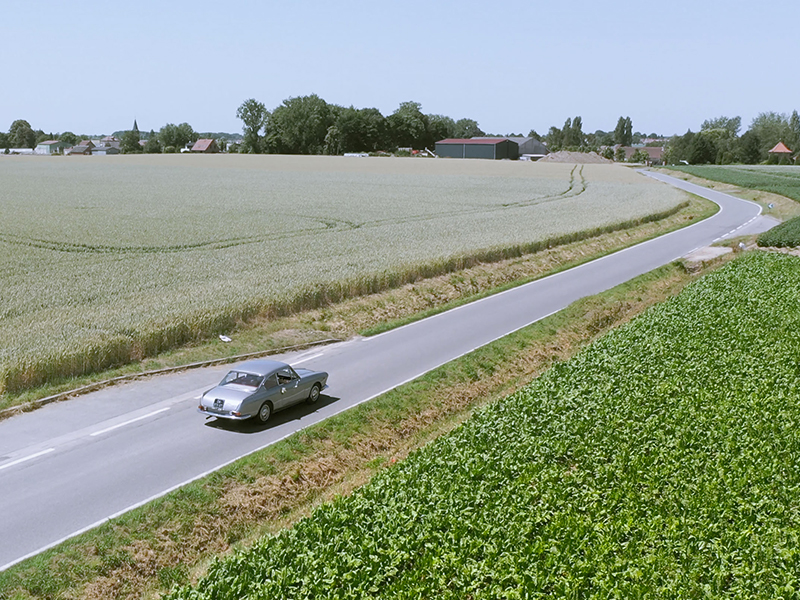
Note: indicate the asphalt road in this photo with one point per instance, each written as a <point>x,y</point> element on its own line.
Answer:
<point>70,466</point>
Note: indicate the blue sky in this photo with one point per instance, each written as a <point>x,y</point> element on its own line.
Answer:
<point>93,66</point>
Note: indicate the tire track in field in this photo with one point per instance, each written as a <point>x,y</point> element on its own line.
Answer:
<point>329,225</point>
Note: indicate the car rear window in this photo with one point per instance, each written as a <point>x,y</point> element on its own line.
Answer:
<point>239,378</point>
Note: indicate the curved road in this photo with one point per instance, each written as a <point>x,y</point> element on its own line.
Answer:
<point>68,467</point>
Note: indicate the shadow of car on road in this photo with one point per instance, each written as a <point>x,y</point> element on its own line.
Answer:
<point>293,413</point>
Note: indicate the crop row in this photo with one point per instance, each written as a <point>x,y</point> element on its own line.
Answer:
<point>660,462</point>
<point>105,262</point>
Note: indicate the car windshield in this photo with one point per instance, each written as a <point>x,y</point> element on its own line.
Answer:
<point>240,378</point>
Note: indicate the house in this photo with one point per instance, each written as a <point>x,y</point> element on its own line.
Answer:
<point>655,153</point>
<point>84,148</point>
<point>105,150</point>
<point>205,146</point>
<point>491,148</point>
<point>51,147</point>
<point>109,141</point>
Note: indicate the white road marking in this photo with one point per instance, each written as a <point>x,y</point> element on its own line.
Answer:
<point>297,362</point>
<point>118,425</point>
<point>26,458</point>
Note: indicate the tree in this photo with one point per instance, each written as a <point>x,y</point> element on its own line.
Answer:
<point>254,116</point>
<point>554,139</point>
<point>21,135</point>
<point>640,156</point>
<point>299,126</point>
<point>152,146</point>
<point>623,132</point>
<point>69,138</point>
<point>794,131</point>
<point>749,148</point>
<point>129,144</point>
<point>677,148</point>
<point>771,128</point>
<point>532,134</point>
<point>408,127</point>
<point>467,128</point>
<point>176,136</point>
<point>439,127</point>
<point>619,155</point>
<point>573,133</point>
<point>731,125</point>
<point>702,150</point>
<point>4,143</point>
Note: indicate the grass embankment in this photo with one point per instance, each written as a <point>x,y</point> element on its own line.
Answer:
<point>658,462</point>
<point>460,282</point>
<point>172,540</point>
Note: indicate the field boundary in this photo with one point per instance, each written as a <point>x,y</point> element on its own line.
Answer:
<point>90,387</point>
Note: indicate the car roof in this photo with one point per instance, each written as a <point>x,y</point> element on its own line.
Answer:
<point>260,366</point>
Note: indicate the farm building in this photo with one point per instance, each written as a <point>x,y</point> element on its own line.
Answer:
<point>85,147</point>
<point>51,147</point>
<point>491,148</point>
<point>205,146</point>
<point>530,147</point>
<point>105,150</point>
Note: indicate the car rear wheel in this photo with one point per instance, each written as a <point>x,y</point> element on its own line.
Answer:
<point>265,412</point>
<point>313,395</point>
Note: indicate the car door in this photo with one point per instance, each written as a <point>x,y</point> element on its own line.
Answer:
<point>289,385</point>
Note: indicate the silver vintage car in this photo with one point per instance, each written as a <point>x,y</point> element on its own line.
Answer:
<point>258,388</point>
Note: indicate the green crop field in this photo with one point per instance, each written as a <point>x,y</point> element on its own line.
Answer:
<point>108,259</point>
<point>660,462</point>
<point>784,181</point>
<point>785,235</point>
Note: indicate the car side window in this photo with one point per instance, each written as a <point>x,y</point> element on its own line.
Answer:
<point>271,381</point>
<point>284,376</point>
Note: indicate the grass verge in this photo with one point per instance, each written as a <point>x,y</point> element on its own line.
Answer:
<point>172,540</point>
<point>383,310</point>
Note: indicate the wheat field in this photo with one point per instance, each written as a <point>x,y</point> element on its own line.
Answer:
<point>104,260</point>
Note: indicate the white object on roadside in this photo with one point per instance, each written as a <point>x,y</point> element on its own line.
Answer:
<point>225,338</point>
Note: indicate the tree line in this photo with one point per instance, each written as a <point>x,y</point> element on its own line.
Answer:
<point>718,141</point>
<point>310,125</point>
<point>170,138</point>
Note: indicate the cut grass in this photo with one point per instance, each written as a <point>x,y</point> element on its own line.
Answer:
<point>172,540</point>
<point>380,311</point>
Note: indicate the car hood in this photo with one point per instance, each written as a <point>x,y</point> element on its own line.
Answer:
<point>228,393</point>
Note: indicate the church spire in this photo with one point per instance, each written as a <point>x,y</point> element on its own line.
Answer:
<point>135,126</point>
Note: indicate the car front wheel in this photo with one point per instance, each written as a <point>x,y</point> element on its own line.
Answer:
<point>313,395</point>
<point>265,412</point>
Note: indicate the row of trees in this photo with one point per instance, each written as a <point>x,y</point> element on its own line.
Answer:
<point>719,142</point>
<point>572,137</point>
<point>170,138</point>
<point>309,125</point>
